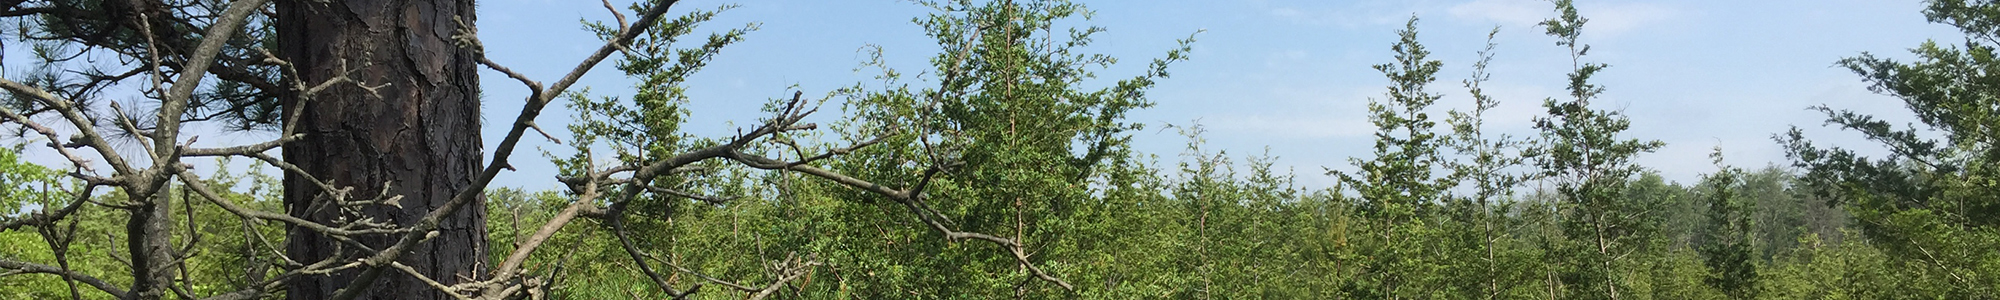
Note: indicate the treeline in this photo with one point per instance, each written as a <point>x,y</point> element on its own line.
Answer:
<point>1029,190</point>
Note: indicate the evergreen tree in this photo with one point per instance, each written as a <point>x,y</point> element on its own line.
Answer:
<point>1729,233</point>
<point>1582,153</point>
<point>1398,191</point>
<point>1003,148</point>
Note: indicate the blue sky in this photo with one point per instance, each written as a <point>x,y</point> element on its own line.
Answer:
<point>1291,77</point>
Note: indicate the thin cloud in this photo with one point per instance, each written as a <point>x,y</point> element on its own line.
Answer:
<point>1505,12</point>
<point>1348,14</point>
<point>1606,19</point>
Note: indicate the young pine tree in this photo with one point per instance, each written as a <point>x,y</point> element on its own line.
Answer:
<point>1398,190</point>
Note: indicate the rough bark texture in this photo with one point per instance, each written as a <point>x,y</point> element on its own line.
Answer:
<point>151,244</point>
<point>419,133</point>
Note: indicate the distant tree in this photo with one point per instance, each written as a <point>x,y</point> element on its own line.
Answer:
<point>1785,212</point>
<point>1730,232</point>
<point>1821,270</point>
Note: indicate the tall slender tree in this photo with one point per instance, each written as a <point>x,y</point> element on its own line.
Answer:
<point>1486,169</point>
<point>1582,151</point>
<point>1398,187</point>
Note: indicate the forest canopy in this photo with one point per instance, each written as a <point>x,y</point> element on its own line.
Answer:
<point>1003,167</point>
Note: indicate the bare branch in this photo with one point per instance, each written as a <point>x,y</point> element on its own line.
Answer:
<point>175,102</point>
<point>242,150</point>
<point>86,130</point>
<point>194,183</point>
<point>622,26</point>
<point>545,134</point>
<point>44,217</point>
<point>204,54</point>
<point>786,270</point>
<point>730,284</point>
<point>28,267</point>
<point>294,170</point>
<point>617,221</point>
<point>514,260</point>
<point>51,134</point>
<point>540,99</point>
<point>427,280</point>
<point>689,195</point>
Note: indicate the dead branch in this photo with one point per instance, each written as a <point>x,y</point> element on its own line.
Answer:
<point>28,267</point>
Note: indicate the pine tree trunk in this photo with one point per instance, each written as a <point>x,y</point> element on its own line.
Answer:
<point>417,130</point>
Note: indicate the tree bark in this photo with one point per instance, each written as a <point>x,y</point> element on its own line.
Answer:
<point>412,122</point>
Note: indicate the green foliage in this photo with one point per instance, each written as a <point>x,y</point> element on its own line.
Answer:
<point>1669,274</point>
<point>1007,141</point>
<point>1484,211</point>
<point>1397,183</point>
<point>1011,133</point>
<point>1580,150</point>
<point>31,190</point>
<point>1932,204</point>
<point>1407,254</point>
<point>229,252</point>
<point>25,182</point>
<point>63,35</point>
<point>647,129</point>
<point>1817,270</point>
<point>1728,251</point>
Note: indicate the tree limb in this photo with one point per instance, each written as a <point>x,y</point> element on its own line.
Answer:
<point>29,267</point>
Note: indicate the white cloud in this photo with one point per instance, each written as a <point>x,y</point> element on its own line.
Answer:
<point>1606,19</point>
